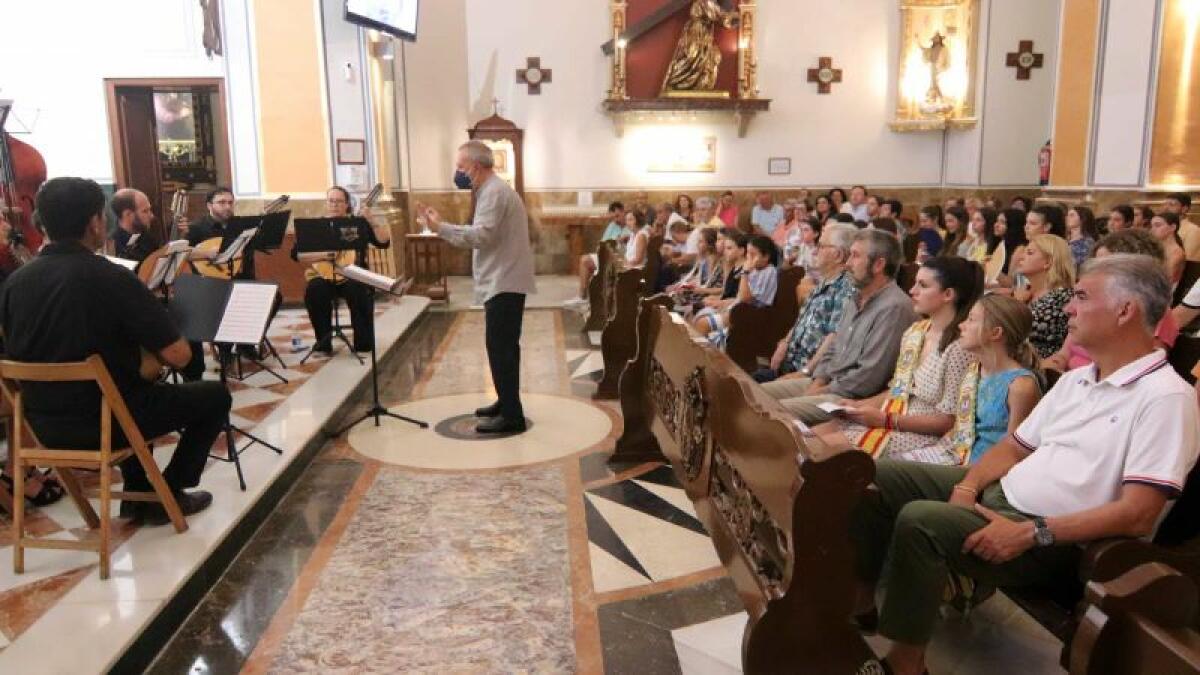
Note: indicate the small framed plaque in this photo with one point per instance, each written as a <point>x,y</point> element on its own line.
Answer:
<point>351,151</point>
<point>779,166</point>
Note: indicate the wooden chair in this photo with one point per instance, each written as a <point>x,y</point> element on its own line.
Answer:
<point>6,418</point>
<point>103,459</point>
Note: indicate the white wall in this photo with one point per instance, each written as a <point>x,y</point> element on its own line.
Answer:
<point>1125,90</point>
<point>347,87</point>
<point>54,68</point>
<point>837,138</point>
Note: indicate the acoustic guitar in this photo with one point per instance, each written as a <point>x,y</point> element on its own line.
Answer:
<point>204,252</point>
<point>178,213</point>
<point>328,270</point>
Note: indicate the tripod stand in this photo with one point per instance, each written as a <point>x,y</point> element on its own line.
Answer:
<point>377,410</point>
<point>224,354</point>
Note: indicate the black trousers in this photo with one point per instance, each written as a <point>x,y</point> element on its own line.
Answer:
<point>198,410</point>
<point>503,315</point>
<point>318,300</point>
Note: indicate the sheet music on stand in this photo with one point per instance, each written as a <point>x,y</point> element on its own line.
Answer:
<point>247,312</point>
<point>235,249</point>
<point>373,279</point>
<point>166,268</point>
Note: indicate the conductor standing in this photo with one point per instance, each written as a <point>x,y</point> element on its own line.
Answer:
<point>502,261</point>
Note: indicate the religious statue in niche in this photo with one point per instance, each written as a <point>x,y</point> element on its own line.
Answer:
<point>939,61</point>
<point>697,57</point>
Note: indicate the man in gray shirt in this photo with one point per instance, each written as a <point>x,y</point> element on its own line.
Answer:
<point>861,354</point>
<point>502,262</point>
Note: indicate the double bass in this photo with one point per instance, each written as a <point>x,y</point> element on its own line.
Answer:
<point>22,172</point>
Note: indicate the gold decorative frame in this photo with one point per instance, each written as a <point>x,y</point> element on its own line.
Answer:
<point>958,21</point>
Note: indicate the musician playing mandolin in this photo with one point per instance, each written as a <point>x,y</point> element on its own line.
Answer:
<point>67,304</point>
<point>134,240</point>
<point>220,204</point>
<point>323,288</point>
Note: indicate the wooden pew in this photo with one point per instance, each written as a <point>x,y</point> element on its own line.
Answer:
<point>600,288</point>
<point>618,342</point>
<point>1141,622</point>
<point>776,507</point>
<point>755,331</point>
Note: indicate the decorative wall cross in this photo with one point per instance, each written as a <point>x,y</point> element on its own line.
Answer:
<point>1024,59</point>
<point>534,75</point>
<point>825,75</point>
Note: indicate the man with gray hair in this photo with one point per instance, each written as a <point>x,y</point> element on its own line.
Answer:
<point>826,298</point>
<point>1100,456</point>
<point>862,353</point>
<point>502,262</point>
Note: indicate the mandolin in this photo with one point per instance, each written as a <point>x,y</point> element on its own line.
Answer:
<point>328,270</point>
<point>178,213</point>
<point>205,251</point>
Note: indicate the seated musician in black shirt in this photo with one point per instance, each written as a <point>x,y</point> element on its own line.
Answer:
<point>321,290</point>
<point>67,304</point>
<point>220,204</point>
<point>134,238</point>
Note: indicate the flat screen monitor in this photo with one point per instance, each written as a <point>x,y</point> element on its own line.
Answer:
<point>394,17</point>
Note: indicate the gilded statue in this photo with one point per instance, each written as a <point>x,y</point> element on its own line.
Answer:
<point>938,59</point>
<point>697,57</point>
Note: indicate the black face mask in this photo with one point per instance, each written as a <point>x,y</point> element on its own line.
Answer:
<point>461,180</point>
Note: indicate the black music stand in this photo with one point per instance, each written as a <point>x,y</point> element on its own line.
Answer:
<point>269,230</point>
<point>377,409</point>
<point>199,307</point>
<point>332,235</point>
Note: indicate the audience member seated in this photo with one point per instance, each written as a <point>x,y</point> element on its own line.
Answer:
<point>1180,203</point>
<point>823,209</point>
<point>1049,271</point>
<point>955,221</point>
<point>1045,219</point>
<point>791,223</point>
<point>891,208</point>
<point>874,206</point>
<point>929,237</point>
<point>861,354</point>
<point>1081,233</point>
<point>732,246</point>
<point>1120,218</point>
<point>977,245</point>
<point>1100,456</point>
<point>919,406</point>
<point>641,204</point>
<point>885,225</point>
<point>1142,216</point>
<point>637,239</point>
<point>706,278</point>
<point>588,261</point>
<point>1009,228</point>
<point>1165,228</point>
<point>1134,242</point>
<point>757,286</point>
<point>857,206</point>
<point>837,200</point>
<point>683,206</point>
<point>800,246</point>
<point>826,295</point>
<point>727,209</point>
<point>766,216</point>
<point>68,304</point>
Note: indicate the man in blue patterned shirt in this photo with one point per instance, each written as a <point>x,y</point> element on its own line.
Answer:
<point>823,309</point>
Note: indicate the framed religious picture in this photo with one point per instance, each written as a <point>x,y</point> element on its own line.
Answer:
<point>506,140</point>
<point>351,151</point>
<point>504,155</point>
<point>698,155</point>
<point>779,166</point>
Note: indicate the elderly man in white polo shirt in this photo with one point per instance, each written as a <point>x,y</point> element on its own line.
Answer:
<point>1100,456</point>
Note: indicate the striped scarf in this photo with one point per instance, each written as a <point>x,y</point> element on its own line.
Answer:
<point>875,439</point>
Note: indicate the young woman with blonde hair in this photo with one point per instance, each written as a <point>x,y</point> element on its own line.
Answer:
<point>1050,270</point>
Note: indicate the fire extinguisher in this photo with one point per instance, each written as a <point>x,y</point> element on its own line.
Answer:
<point>1044,156</point>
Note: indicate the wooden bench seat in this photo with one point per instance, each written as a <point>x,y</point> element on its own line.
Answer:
<point>618,342</point>
<point>755,331</point>
<point>775,505</point>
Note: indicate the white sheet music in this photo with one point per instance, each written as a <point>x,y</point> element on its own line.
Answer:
<point>366,276</point>
<point>246,314</point>
<point>130,265</point>
<point>235,248</point>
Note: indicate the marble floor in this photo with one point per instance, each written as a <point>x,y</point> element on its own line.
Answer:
<point>402,549</point>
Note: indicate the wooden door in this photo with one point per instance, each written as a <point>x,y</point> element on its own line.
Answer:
<point>136,149</point>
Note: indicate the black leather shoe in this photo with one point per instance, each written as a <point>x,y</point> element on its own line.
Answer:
<point>324,346</point>
<point>488,411</point>
<point>153,514</point>
<point>500,425</point>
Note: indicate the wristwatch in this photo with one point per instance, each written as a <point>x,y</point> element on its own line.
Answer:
<point>1042,535</point>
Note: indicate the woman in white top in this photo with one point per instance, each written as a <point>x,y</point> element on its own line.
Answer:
<point>639,239</point>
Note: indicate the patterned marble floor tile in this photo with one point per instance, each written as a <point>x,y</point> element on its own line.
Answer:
<point>664,549</point>
<point>421,593</point>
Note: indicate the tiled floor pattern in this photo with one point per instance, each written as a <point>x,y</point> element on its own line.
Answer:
<point>254,398</point>
<point>566,565</point>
